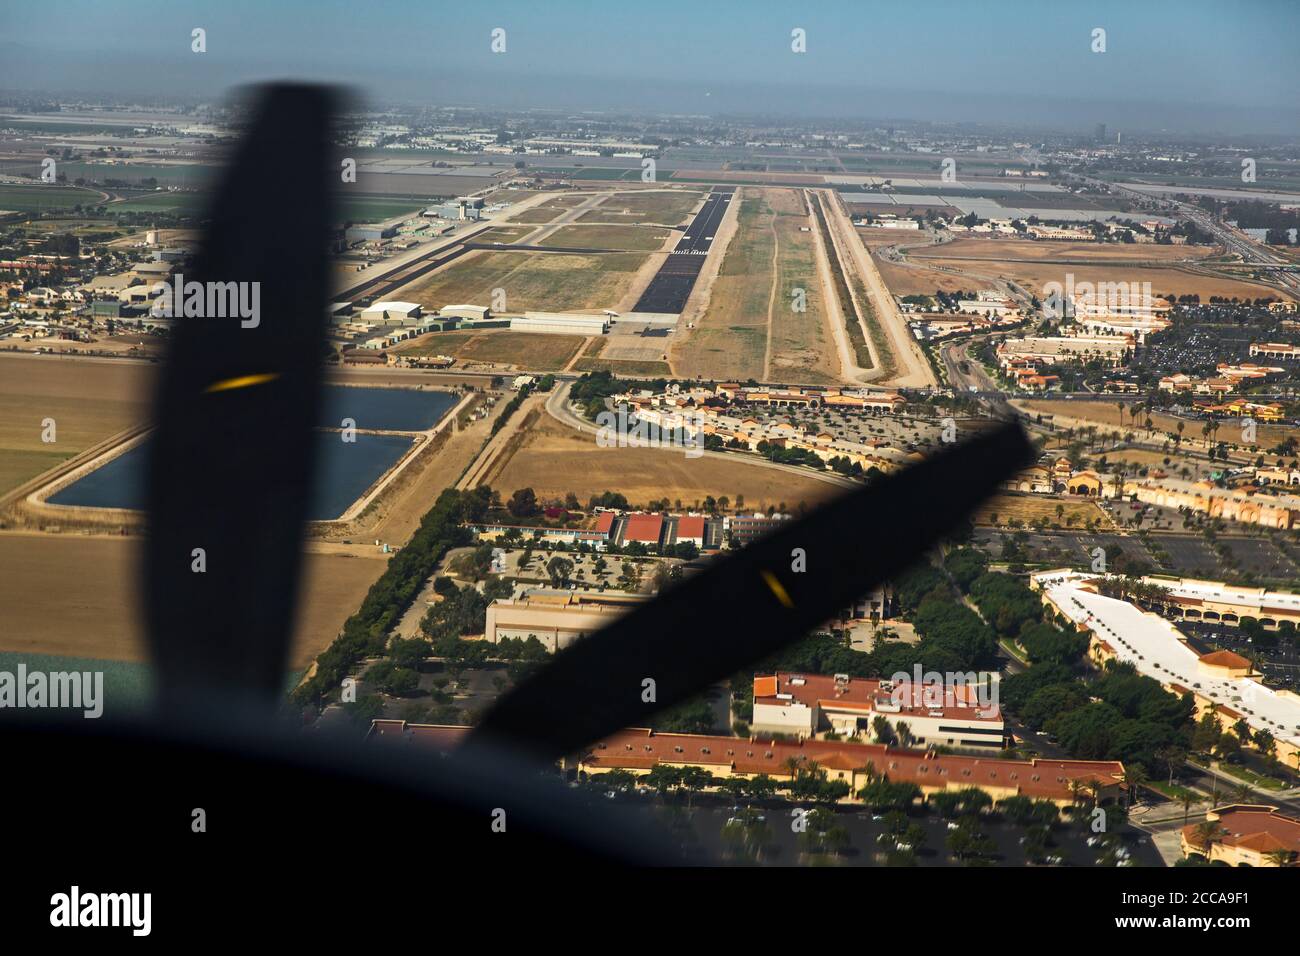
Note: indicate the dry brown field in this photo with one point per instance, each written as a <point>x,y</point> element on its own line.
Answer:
<point>1165,280</point>
<point>1105,413</point>
<point>919,280</point>
<point>730,340</point>
<point>89,400</point>
<point>504,234</point>
<point>1033,250</point>
<point>751,301</point>
<point>554,459</point>
<point>662,207</point>
<point>548,282</point>
<point>77,595</point>
<point>1026,508</point>
<point>802,344</point>
<point>531,350</point>
<point>626,238</point>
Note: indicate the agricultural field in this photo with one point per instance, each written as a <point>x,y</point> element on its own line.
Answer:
<point>39,198</point>
<point>377,208</point>
<point>626,238</point>
<point>553,459</point>
<point>177,204</point>
<point>541,281</point>
<point>534,351</point>
<point>88,401</point>
<point>664,207</point>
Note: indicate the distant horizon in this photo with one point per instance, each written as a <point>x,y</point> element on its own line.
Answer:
<point>1172,68</point>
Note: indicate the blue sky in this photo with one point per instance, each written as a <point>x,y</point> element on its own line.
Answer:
<point>948,60</point>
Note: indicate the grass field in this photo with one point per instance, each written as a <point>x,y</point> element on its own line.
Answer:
<point>89,401</point>
<point>534,351</point>
<point>911,280</point>
<point>531,280</point>
<point>628,238</point>
<point>34,198</point>
<point>178,204</point>
<point>667,207</point>
<point>553,459</point>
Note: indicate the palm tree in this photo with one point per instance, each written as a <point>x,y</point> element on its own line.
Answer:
<point>792,764</point>
<point>1187,799</point>
<point>1133,777</point>
<point>1281,857</point>
<point>1206,834</point>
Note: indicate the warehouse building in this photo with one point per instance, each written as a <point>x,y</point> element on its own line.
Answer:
<point>475,313</point>
<point>387,311</point>
<point>370,233</point>
<point>560,323</point>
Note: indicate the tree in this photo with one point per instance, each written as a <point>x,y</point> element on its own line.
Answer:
<point>523,503</point>
<point>881,727</point>
<point>559,569</point>
<point>1207,833</point>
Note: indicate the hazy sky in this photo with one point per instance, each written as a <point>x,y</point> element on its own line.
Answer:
<point>1181,65</point>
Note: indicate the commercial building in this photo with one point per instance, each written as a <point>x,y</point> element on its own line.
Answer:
<point>1108,349</point>
<point>1246,835</point>
<point>741,530</point>
<point>919,714</point>
<point>1275,350</point>
<point>560,323</point>
<point>1220,683</point>
<point>557,619</point>
<point>640,750</point>
<point>1231,504</point>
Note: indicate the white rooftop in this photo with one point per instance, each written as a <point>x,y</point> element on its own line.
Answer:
<point>1155,647</point>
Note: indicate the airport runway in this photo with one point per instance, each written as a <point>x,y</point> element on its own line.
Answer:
<point>672,284</point>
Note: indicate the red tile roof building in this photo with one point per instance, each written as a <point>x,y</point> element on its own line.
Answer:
<point>1060,781</point>
<point>1247,834</point>
<point>639,750</point>
<point>648,529</point>
<point>934,716</point>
